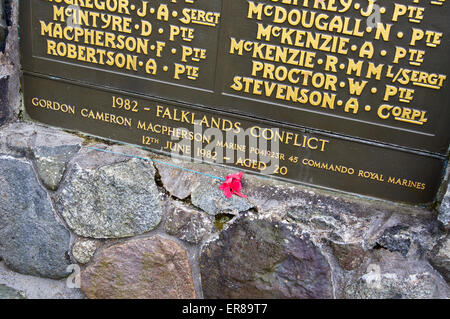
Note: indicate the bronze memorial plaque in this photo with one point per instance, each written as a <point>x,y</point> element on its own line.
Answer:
<point>349,95</point>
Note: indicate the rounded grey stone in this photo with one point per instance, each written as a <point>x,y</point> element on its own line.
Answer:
<point>32,241</point>
<point>109,196</point>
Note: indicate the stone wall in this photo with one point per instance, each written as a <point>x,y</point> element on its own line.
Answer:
<point>10,100</point>
<point>134,224</point>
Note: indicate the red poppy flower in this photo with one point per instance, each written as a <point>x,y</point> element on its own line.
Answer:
<point>232,185</point>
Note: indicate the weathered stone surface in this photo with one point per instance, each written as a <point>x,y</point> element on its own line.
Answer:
<point>187,224</point>
<point>412,235</point>
<point>444,210</point>
<point>440,258</point>
<point>84,249</point>
<point>204,191</point>
<point>32,241</point>
<point>3,26</point>
<point>49,148</point>
<point>344,219</point>
<point>38,288</point>
<point>333,217</point>
<point>109,196</point>
<point>391,276</point>
<point>177,182</point>
<point>4,107</point>
<point>9,293</point>
<point>396,238</point>
<point>52,153</point>
<point>208,197</point>
<point>16,139</point>
<point>349,256</point>
<point>269,195</point>
<point>263,257</point>
<point>10,61</point>
<point>153,267</point>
